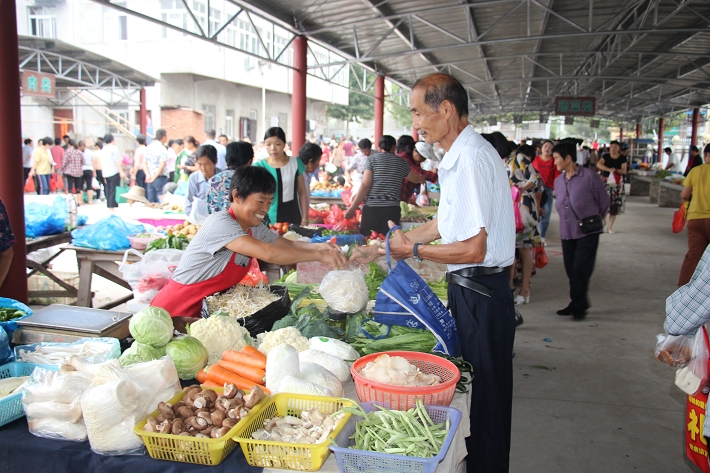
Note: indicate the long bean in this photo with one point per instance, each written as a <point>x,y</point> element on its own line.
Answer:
<point>411,433</point>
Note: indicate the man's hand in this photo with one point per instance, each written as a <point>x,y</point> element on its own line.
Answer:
<point>149,179</point>
<point>364,254</point>
<point>332,256</point>
<point>400,246</point>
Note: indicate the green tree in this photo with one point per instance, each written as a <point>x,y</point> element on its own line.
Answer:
<point>361,106</point>
<point>400,113</point>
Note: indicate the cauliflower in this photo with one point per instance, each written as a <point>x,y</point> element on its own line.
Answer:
<point>218,334</point>
<point>289,335</point>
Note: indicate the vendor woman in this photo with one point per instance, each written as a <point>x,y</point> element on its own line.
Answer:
<point>220,254</point>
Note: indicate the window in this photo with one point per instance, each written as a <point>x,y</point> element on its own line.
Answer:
<point>173,12</point>
<point>119,113</point>
<point>43,22</point>
<point>252,114</point>
<point>210,113</point>
<point>229,124</point>
<point>115,24</point>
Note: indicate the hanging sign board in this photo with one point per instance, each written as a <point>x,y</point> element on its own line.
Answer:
<point>37,84</point>
<point>580,106</point>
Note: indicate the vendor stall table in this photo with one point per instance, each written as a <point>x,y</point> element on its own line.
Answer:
<point>103,263</point>
<point>326,200</point>
<point>42,267</point>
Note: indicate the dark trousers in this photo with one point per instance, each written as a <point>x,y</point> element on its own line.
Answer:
<point>698,240</point>
<point>155,189</point>
<point>140,179</point>
<point>486,326</point>
<point>102,182</point>
<point>579,256</point>
<point>27,173</point>
<point>375,218</point>
<point>110,187</point>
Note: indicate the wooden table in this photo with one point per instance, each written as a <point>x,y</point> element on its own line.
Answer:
<point>35,244</point>
<point>104,264</point>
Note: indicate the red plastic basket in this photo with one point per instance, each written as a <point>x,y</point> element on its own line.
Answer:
<point>404,397</point>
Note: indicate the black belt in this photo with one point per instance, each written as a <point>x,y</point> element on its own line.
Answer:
<point>476,271</point>
<point>464,281</point>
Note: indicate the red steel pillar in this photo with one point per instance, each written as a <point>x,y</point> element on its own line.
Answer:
<point>415,135</point>
<point>621,134</point>
<point>143,114</point>
<point>694,134</point>
<point>379,109</point>
<point>661,126</point>
<point>638,131</point>
<point>637,149</point>
<point>298,97</point>
<point>11,177</point>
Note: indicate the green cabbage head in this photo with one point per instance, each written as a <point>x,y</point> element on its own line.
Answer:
<point>152,326</point>
<point>139,353</point>
<point>188,354</point>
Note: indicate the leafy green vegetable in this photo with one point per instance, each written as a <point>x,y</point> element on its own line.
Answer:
<point>175,242</point>
<point>152,326</point>
<point>440,288</point>
<point>10,313</point>
<point>310,321</point>
<point>294,289</point>
<point>335,233</point>
<point>374,279</point>
<point>188,354</point>
<point>399,338</point>
<point>139,353</point>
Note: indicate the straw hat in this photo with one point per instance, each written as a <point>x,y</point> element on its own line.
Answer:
<point>137,193</point>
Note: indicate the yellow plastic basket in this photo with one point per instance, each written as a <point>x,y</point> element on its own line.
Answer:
<point>180,448</point>
<point>302,457</point>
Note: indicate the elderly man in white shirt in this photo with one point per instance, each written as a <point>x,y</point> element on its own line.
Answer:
<point>477,227</point>
<point>221,150</point>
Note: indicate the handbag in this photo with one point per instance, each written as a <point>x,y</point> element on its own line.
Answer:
<point>30,185</point>
<point>541,259</point>
<point>589,224</point>
<point>679,218</point>
<point>405,299</point>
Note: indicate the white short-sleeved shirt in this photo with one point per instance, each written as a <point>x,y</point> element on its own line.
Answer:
<point>475,194</point>
<point>109,155</point>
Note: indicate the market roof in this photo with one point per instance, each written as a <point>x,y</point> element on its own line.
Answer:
<point>638,58</point>
<point>78,68</point>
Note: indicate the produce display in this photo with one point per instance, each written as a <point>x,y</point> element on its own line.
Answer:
<point>309,321</point>
<point>204,413</point>
<point>287,335</point>
<point>10,386</point>
<point>345,291</point>
<point>397,371</point>
<point>93,350</point>
<point>388,338</point>
<point>175,242</point>
<point>244,369</point>
<point>410,213</point>
<point>411,433</point>
<point>311,427</point>
<point>240,301</point>
<point>188,354</point>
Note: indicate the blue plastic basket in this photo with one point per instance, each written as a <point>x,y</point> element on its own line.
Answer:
<point>360,461</point>
<point>11,406</point>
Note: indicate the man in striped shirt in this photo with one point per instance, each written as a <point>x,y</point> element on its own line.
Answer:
<point>477,227</point>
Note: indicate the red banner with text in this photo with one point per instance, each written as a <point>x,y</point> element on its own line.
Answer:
<point>696,444</point>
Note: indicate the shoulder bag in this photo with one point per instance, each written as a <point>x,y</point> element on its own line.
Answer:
<point>589,224</point>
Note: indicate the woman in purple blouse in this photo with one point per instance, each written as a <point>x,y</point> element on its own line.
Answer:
<point>579,193</point>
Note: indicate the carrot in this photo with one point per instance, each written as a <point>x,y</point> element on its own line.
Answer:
<point>251,351</point>
<point>211,384</point>
<point>217,374</point>
<point>201,376</point>
<point>243,359</point>
<point>256,375</point>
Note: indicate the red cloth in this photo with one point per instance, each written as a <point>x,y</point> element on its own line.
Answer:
<point>57,155</point>
<point>325,157</point>
<point>407,186</point>
<point>348,148</point>
<point>185,300</point>
<point>547,170</point>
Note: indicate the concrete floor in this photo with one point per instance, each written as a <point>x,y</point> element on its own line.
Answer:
<point>595,399</point>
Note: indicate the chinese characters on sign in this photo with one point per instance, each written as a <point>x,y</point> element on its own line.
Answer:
<point>581,106</point>
<point>37,84</point>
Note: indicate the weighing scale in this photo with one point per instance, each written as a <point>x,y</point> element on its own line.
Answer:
<point>65,323</point>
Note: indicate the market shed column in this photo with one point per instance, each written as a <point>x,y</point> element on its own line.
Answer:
<point>11,177</point>
<point>298,97</point>
<point>694,133</point>
<point>379,108</point>
<point>661,126</point>
<point>143,114</point>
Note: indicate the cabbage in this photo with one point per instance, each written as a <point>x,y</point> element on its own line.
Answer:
<point>139,353</point>
<point>152,326</point>
<point>188,354</point>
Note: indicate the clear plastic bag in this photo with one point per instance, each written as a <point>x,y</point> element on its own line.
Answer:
<point>673,350</point>
<point>91,350</point>
<point>148,276</point>
<point>345,291</point>
<point>109,234</point>
<point>691,379</point>
<point>51,400</point>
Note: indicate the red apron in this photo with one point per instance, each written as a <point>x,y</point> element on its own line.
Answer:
<point>185,300</point>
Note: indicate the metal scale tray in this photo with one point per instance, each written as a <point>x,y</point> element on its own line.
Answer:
<point>66,323</point>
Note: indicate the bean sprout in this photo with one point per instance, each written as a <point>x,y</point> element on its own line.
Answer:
<point>241,301</point>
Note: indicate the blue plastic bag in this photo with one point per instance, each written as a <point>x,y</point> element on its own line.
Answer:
<point>6,355</point>
<point>81,220</point>
<point>340,240</point>
<point>11,325</point>
<point>405,299</point>
<point>109,234</point>
<point>181,188</point>
<point>43,220</point>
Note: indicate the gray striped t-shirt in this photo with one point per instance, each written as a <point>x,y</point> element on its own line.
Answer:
<point>207,256</point>
<point>388,172</point>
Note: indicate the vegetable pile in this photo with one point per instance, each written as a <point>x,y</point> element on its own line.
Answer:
<point>204,413</point>
<point>411,433</point>
<point>10,313</point>
<point>175,242</point>
<point>244,369</point>
<point>240,301</point>
<point>309,320</point>
<point>345,291</point>
<point>219,334</point>
<point>399,338</point>
<point>312,427</point>
<point>397,371</point>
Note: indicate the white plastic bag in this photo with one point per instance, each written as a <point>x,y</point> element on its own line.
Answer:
<point>148,276</point>
<point>281,361</point>
<point>332,363</point>
<point>345,291</point>
<point>334,347</point>
<point>316,374</point>
<point>198,211</point>
<point>691,379</point>
<point>422,199</point>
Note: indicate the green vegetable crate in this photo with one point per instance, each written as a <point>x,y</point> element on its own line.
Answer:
<point>360,461</point>
<point>11,406</point>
